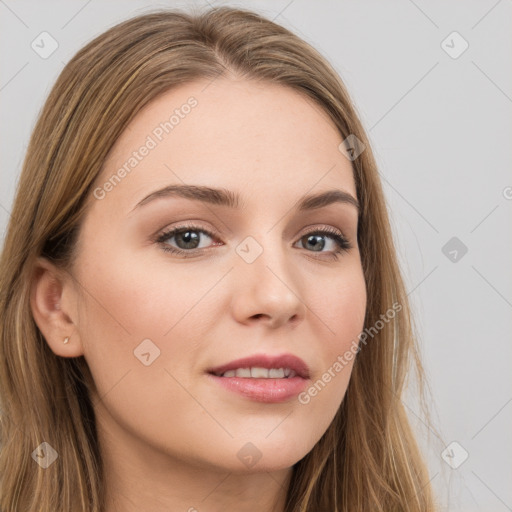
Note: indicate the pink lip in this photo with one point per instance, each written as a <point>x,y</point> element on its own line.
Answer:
<point>264,390</point>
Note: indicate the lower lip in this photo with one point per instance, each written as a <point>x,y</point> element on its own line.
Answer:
<point>263,390</point>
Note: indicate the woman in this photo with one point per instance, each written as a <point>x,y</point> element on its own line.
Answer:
<point>170,339</point>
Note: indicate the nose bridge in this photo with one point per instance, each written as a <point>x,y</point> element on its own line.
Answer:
<point>264,255</point>
<point>265,278</point>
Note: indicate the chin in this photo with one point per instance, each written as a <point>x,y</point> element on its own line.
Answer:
<point>266,455</point>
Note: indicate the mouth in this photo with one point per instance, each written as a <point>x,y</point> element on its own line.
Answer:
<point>263,378</point>
<point>256,372</point>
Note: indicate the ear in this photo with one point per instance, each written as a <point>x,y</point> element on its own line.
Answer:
<point>53,300</point>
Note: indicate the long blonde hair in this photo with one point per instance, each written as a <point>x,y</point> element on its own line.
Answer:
<point>368,459</point>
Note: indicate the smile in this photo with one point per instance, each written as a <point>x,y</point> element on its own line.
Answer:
<point>259,373</point>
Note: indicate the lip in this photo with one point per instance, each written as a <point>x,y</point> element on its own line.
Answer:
<point>264,390</point>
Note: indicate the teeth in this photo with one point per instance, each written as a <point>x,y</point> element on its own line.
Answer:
<point>260,373</point>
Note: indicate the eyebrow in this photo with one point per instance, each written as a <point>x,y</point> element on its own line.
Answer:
<point>229,199</point>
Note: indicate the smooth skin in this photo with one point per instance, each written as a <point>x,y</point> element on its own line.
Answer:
<point>168,435</point>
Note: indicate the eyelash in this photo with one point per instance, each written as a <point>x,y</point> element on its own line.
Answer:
<point>343,244</point>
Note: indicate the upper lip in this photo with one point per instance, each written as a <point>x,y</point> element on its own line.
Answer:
<point>265,361</point>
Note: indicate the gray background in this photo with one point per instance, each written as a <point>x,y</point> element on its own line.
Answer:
<point>441,130</point>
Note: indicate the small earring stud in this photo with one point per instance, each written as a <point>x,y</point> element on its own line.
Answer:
<point>66,340</point>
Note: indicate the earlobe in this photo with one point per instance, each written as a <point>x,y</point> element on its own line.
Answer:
<point>51,300</point>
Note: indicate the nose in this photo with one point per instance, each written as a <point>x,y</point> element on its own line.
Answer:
<point>268,290</point>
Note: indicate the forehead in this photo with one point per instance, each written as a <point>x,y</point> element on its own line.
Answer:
<point>237,134</point>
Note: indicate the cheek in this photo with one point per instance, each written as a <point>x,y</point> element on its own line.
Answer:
<point>141,374</point>
<point>127,307</point>
<point>341,308</point>
<point>134,297</point>
<point>143,322</point>
<point>341,311</point>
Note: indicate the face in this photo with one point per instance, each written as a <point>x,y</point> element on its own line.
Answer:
<point>160,309</point>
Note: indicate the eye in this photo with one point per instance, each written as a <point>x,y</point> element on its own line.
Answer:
<point>188,238</point>
<point>314,240</point>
